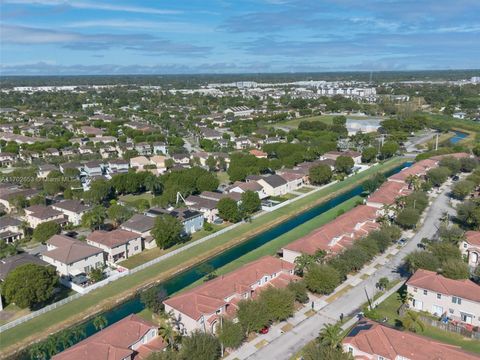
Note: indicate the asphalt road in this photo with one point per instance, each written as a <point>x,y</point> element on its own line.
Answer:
<point>285,346</point>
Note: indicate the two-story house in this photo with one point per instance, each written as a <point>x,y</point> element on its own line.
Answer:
<point>470,248</point>
<point>142,225</point>
<point>71,256</point>
<point>201,307</point>
<point>72,209</point>
<point>39,214</point>
<point>118,244</point>
<point>10,229</point>
<point>131,338</point>
<point>441,296</point>
<point>191,220</point>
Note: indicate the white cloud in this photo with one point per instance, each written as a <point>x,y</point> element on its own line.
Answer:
<point>169,27</point>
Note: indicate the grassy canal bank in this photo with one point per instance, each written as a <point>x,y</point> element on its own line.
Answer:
<point>111,295</point>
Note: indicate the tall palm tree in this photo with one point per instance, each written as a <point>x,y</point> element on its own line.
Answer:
<point>331,335</point>
<point>412,322</point>
<point>302,262</point>
<point>100,322</point>
<point>37,352</point>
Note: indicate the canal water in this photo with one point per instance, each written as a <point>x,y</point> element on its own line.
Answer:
<point>189,276</point>
<point>459,136</point>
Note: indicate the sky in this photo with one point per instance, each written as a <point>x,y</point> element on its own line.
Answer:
<point>57,37</point>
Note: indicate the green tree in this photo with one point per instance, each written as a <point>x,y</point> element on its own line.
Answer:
<point>422,260</point>
<point>200,346</point>
<point>331,335</point>
<point>100,322</point>
<point>29,285</point>
<point>153,299</point>
<point>250,202</point>
<point>316,351</point>
<point>322,279</point>
<point>408,218</point>
<point>299,289</point>
<point>369,154</point>
<point>455,269</point>
<point>344,164</point>
<point>278,302</point>
<point>320,174</point>
<point>438,176</point>
<point>94,218</point>
<point>100,191</point>
<point>96,274</point>
<point>252,315</point>
<point>382,283</point>
<point>462,189</point>
<point>453,164</point>
<point>228,210</point>
<point>167,231</point>
<point>412,322</point>
<point>45,231</point>
<point>118,214</point>
<point>169,335</point>
<point>389,149</point>
<point>211,162</point>
<point>468,213</point>
<point>231,334</point>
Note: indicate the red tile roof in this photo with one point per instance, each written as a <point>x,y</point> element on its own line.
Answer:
<point>473,237</point>
<point>339,233</point>
<point>210,296</point>
<point>112,238</point>
<point>418,169</point>
<point>430,280</point>
<point>380,340</point>
<point>388,192</point>
<point>113,342</point>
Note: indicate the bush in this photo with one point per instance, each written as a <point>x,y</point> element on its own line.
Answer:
<point>451,163</point>
<point>468,164</point>
<point>299,288</point>
<point>462,189</point>
<point>438,175</point>
<point>279,303</point>
<point>455,269</point>
<point>231,334</point>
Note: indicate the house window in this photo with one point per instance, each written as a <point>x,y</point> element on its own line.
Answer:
<point>439,296</point>
<point>456,300</point>
<point>425,292</point>
<point>350,350</point>
<point>380,358</point>
<point>415,289</point>
<point>451,311</point>
<point>266,279</point>
<point>465,245</point>
<point>135,248</point>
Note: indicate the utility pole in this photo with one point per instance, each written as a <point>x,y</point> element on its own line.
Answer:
<point>436,142</point>
<point>368,299</point>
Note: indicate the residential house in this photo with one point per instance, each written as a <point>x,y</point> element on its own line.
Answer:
<point>336,235</point>
<point>72,257</point>
<point>456,299</point>
<point>419,169</point>
<point>387,193</point>
<point>131,338</point>
<point>160,148</point>
<point>72,209</point>
<point>470,248</point>
<point>239,111</point>
<point>90,131</point>
<point>44,170</point>
<point>294,180</point>
<point>191,220</point>
<point>93,168</point>
<point>9,194</point>
<point>369,340</point>
<point>39,214</point>
<point>7,159</point>
<point>142,225</point>
<point>181,159</point>
<point>12,262</point>
<point>118,244</point>
<point>51,152</point>
<point>241,187</point>
<point>258,154</point>
<point>217,196</point>
<point>72,165</point>
<point>103,140</point>
<point>143,148</point>
<point>159,162</point>
<point>201,307</point>
<point>274,185</point>
<point>10,229</point>
<point>207,207</point>
<point>333,155</point>
<point>242,143</point>
<point>139,162</point>
<point>117,166</point>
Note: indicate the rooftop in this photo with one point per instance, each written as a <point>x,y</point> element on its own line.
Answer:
<point>69,250</point>
<point>113,238</point>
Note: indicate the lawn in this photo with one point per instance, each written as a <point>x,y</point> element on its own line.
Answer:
<point>223,177</point>
<point>305,189</point>
<point>109,295</point>
<point>131,199</point>
<point>389,307</point>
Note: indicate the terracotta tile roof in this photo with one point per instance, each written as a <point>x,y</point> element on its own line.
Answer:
<point>113,342</point>
<point>430,280</point>
<point>113,238</point>
<point>339,233</point>
<point>418,169</point>
<point>210,296</point>
<point>473,237</point>
<point>258,153</point>
<point>69,250</point>
<point>380,340</point>
<point>388,192</point>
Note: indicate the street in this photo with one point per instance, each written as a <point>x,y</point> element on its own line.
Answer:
<point>288,343</point>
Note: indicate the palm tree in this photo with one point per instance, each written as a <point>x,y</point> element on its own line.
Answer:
<point>413,182</point>
<point>78,333</point>
<point>331,335</point>
<point>167,333</point>
<point>37,352</point>
<point>100,322</point>
<point>412,322</point>
<point>302,262</point>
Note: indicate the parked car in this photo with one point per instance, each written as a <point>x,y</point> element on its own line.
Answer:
<point>402,242</point>
<point>264,330</point>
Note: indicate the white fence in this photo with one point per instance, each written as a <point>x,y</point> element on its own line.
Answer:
<point>149,263</point>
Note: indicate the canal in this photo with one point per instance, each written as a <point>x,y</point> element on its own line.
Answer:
<point>189,276</point>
